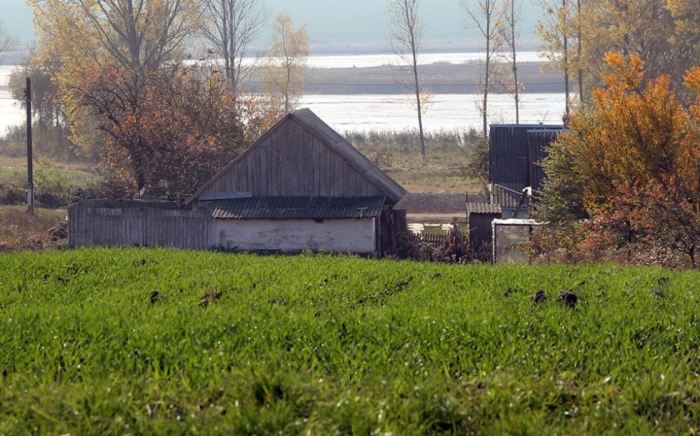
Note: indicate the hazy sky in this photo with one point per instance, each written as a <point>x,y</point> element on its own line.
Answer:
<point>327,20</point>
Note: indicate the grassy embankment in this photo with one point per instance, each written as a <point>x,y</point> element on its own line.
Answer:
<point>443,170</point>
<point>13,170</point>
<point>18,229</point>
<point>137,341</point>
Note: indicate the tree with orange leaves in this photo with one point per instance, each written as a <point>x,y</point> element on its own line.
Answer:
<point>631,164</point>
<point>131,101</point>
<point>184,128</point>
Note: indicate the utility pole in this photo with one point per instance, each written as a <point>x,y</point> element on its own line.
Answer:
<point>30,159</point>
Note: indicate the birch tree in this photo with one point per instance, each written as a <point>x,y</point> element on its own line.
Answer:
<point>579,48</point>
<point>231,26</point>
<point>577,34</point>
<point>513,12</point>
<point>405,37</point>
<point>555,31</point>
<point>488,18</point>
<point>283,73</point>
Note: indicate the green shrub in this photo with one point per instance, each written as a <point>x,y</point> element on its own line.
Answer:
<point>50,185</point>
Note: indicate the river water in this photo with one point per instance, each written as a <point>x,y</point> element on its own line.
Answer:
<point>394,112</point>
<point>446,111</point>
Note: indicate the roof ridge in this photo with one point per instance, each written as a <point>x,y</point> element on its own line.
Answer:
<point>333,140</point>
<point>336,141</point>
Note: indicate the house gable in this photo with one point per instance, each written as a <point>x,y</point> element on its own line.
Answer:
<point>302,157</point>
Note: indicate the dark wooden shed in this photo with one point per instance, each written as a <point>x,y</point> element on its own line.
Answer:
<point>479,218</point>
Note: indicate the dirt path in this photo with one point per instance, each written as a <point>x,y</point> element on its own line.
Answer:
<point>436,218</point>
<point>439,206</point>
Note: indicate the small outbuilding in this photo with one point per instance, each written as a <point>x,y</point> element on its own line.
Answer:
<point>479,218</point>
<point>515,156</point>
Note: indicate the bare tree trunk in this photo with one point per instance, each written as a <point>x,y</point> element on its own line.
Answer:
<point>417,86</point>
<point>516,84</point>
<point>566,59</point>
<point>487,17</point>
<point>288,84</point>
<point>580,51</point>
<point>405,33</point>
<point>232,49</point>
<point>420,112</point>
<point>232,25</point>
<point>485,98</point>
<point>487,76</point>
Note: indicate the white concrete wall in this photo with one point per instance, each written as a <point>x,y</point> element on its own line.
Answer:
<point>346,235</point>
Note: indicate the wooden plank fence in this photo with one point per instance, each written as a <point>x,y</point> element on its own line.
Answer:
<point>434,239</point>
<point>132,223</point>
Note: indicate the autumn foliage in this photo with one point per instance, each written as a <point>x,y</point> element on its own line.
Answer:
<point>131,98</point>
<point>177,123</point>
<point>630,167</point>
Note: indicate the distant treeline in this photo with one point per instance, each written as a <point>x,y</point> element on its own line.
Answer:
<point>439,78</point>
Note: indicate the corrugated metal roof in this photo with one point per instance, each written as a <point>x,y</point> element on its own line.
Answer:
<point>279,208</point>
<point>508,194</point>
<point>483,209</point>
<point>509,155</point>
<point>537,142</point>
<point>127,204</point>
<point>214,196</point>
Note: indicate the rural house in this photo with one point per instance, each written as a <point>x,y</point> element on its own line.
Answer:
<point>300,186</point>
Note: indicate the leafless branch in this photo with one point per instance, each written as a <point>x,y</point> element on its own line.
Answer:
<point>7,42</point>
<point>232,26</point>
<point>488,18</point>
<point>405,32</point>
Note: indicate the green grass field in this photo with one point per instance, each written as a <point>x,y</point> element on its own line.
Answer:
<point>160,341</point>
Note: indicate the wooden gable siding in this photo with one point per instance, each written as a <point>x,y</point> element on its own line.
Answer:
<point>291,161</point>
